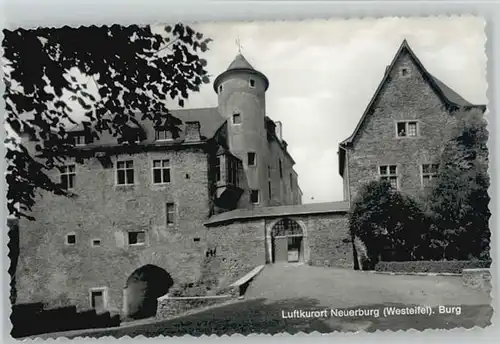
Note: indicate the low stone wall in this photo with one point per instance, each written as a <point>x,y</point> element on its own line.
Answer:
<point>477,279</point>
<point>169,307</point>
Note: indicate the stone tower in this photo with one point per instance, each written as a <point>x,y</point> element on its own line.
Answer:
<point>241,93</point>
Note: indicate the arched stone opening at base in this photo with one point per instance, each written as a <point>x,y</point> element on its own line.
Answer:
<point>287,242</point>
<point>142,289</point>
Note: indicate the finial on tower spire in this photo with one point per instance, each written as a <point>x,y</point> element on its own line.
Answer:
<point>238,43</point>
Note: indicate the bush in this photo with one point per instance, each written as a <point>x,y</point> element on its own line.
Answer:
<point>451,266</point>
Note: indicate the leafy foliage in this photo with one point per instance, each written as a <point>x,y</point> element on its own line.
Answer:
<point>391,225</point>
<point>126,70</point>
<point>459,201</point>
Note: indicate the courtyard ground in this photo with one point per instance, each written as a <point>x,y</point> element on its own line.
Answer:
<point>285,288</point>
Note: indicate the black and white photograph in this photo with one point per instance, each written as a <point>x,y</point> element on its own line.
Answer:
<point>252,177</point>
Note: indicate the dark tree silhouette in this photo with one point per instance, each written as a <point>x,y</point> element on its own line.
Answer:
<point>391,225</point>
<point>459,202</point>
<point>121,71</point>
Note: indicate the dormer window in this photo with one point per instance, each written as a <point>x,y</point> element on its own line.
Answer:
<point>163,134</point>
<point>252,83</point>
<point>79,140</point>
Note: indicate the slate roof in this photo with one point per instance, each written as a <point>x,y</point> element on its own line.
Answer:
<point>279,211</point>
<point>445,93</point>
<point>209,118</point>
<point>239,64</point>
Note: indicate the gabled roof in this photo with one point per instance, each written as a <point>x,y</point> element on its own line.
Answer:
<point>448,96</point>
<point>445,93</point>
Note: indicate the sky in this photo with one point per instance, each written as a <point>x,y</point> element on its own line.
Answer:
<point>323,74</point>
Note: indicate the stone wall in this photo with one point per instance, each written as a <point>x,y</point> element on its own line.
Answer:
<point>169,307</point>
<point>403,97</point>
<point>242,245</point>
<point>49,270</point>
<point>326,239</point>
<point>477,279</point>
<point>239,247</point>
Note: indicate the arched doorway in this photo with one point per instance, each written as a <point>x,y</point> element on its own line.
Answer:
<point>287,241</point>
<point>143,288</point>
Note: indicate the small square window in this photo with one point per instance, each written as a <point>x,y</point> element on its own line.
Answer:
<point>254,196</point>
<point>252,83</point>
<point>96,242</point>
<point>251,159</point>
<point>71,239</point>
<point>137,238</point>
<point>236,118</point>
<point>404,71</point>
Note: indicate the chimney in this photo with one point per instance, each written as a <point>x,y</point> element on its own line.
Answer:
<point>279,130</point>
<point>192,132</point>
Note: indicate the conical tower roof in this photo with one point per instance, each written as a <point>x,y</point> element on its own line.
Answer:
<point>240,64</point>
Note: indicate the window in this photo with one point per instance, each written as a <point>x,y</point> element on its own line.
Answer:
<point>220,88</point>
<point>252,83</point>
<point>254,196</point>
<point>125,172</point>
<point>71,239</point>
<point>251,159</point>
<point>170,214</point>
<point>79,140</point>
<point>404,71</point>
<point>281,170</point>
<point>269,186</point>
<point>132,135</point>
<point>163,134</point>
<point>406,129</point>
<point>429,172</point>
<point>96,242</point>
<point>217,169</point>
<point>236,118</point>
<point>68,175</point>
<point>232,172</point>
<point>98,298</point>
<point>137,238</point>
<point>389,173</point>
<point>161,171</point>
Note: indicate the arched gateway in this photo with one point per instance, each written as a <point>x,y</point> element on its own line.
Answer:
<point>143,287</point>
<point>287,241</point>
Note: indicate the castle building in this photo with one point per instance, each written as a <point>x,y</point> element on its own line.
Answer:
<point>209,205</point>
<point>403,130</point>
